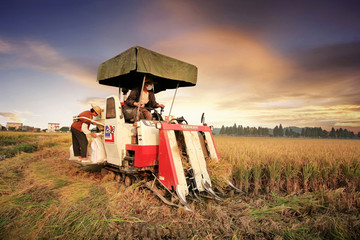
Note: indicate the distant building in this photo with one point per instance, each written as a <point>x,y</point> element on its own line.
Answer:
<point>13,126</point>
<point>53,127</point>
<point>28,129</point>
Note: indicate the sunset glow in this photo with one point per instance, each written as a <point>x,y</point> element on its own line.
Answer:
<point>260,64</point>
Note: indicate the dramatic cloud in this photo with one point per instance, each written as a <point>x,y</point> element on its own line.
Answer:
<point>41,56</point>
<point>12,116</point>
<point>244,79</point>
<point>92,100</point>
<point>260,63</point>
<point>335,57</point>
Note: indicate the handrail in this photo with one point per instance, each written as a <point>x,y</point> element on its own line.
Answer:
<point>76,118</point>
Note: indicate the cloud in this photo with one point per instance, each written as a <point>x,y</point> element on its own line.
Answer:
<point>92,100</point>
<point>12,116</point>
<point>242,78</point>
<point>27,113</point>
<point>4,47</point>
<point>334,57</point>
<point>42,56</point>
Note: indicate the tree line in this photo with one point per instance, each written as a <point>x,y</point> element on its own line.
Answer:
<point>279,131</point>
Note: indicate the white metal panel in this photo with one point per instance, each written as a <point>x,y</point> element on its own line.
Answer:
<point>196,158</point>
<point>211,145</point>
<point>120,135</point>
<point>179,169</point>
<point>148,134</point>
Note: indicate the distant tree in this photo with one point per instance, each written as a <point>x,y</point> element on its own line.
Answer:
<point>341,133</point>
<point>222,130</point>
<point>266,132</point>
<point>281,131</point>
<point>332,133</point>
<point>227,131</point>
<point>352,134</point>
<point>64,129</point>
<point>234,130</point>
<point>287,132</point>
<point>324,134</point>
<point>247,131</point>
<point>276,131</point>
<point>240,130</point>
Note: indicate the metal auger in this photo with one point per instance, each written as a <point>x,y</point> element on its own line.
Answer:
<point>208,188</point>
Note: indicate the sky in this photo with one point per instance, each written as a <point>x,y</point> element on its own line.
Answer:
<point>260,63</point>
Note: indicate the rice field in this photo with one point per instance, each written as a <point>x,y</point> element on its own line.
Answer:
<point>294,189</point>
<point>292,165</point>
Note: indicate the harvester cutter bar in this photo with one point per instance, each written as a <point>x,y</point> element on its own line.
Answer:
<point>232,185</point>
<point>162,198</point>
<point>192,185</point>
<point>211,191</point>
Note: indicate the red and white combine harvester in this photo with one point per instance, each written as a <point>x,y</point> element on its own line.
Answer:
<point>167,152</point>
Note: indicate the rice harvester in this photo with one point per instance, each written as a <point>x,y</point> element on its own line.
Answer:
<point>165,150</point>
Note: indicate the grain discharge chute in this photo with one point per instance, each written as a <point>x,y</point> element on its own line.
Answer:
<point>166,152</point>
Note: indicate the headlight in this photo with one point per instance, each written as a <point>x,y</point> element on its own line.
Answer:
<point>158,125</point>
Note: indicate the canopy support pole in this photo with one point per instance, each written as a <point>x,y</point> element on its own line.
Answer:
<point>120,92</point>
<point>177,86</point>
<point>141,93</point>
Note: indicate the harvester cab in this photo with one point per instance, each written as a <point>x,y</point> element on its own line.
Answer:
<point>166,152</point>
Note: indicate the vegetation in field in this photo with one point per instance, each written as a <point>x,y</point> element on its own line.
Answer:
<point>279,131</point>
<point>292,165</point>
<point>14,143</point>
<point>295,189</point>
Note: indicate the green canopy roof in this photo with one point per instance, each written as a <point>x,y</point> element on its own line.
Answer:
<point>127,70</point>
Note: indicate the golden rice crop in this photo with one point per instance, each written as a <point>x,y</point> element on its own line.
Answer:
<point>292,165</point>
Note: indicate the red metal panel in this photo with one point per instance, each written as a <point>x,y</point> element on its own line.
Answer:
<point>167,172</point>
<point>145,156</point>
<point>183,127</point>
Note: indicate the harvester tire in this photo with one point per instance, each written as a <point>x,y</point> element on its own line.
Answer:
<point>118,178</point>
<point>104,172</point>
<point>128,181</point>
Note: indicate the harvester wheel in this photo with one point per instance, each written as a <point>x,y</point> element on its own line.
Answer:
<point>118,178</point>
<point>128,181</point>
<point>133,180</point>
<point>104,172</point>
